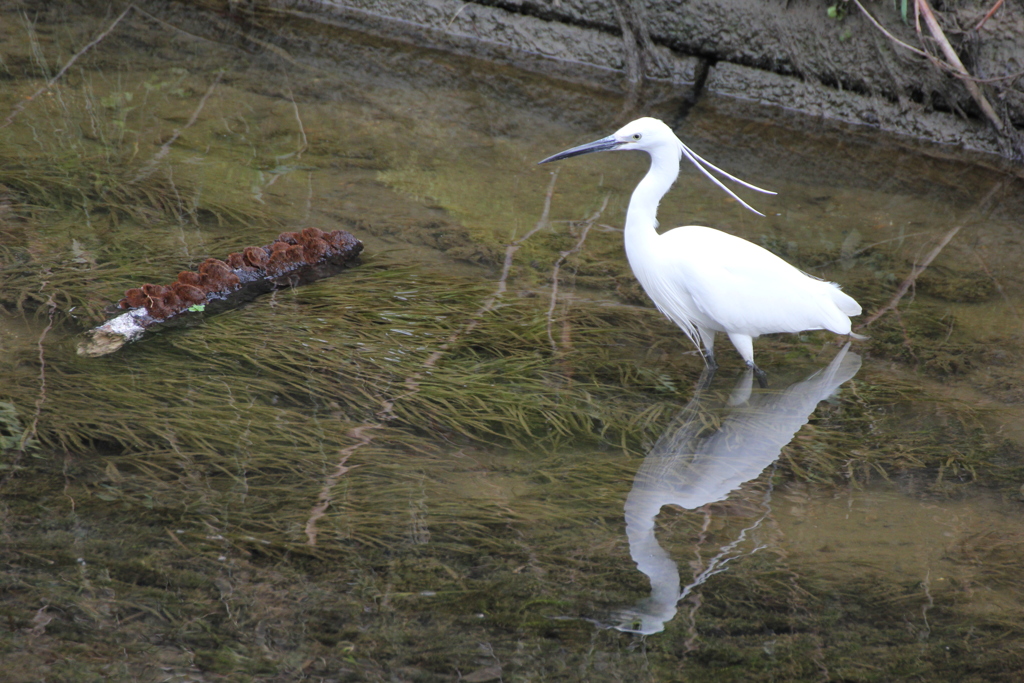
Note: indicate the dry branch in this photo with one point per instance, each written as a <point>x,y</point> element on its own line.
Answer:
<point>984,206</point>
<point>29,433</point>
<point>325,497</point>
<point>165,148</point>
<point>988,15</point>
<point>958,67</point>
<point>588,224</point>
<point>912,278</point>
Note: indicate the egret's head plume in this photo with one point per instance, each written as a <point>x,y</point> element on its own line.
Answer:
<point>654,137</point>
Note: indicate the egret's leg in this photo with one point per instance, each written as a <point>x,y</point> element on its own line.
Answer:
<point>744,343</point>
<point>707,337</point>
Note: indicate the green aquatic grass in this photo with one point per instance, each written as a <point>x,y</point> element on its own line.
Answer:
<point>107,191</point>
<point>359,348</point>
<point>252,410</point>
<point>87,150</point>
<point>353,345</point>
<point>159,526</point>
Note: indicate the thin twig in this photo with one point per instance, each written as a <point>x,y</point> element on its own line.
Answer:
<point>455,16</point>
<point>309,194</point>
<point>171,26</point>
<point>996,79</point>
<point>890,36</point>
<point>906,284</point>
<point>980,212</point>
<point>326,496</point>
<point>558,264</point>
<point>31,431</point>
<point>49,84</point>
<point>297,154</point>
<point>510,252</point>
<point>930,57</point>
<point>861,250</point>
<point>951,56</point>
<point>412,383</point>
<point>545,213</point>
<point>165,148</point>
<point>988,15</point>
<point>302,128</point>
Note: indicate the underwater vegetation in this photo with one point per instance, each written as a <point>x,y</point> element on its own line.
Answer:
<point>416,469</point>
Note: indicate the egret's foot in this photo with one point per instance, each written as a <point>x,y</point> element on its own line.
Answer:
<point>710,362</point>
<point>762,377</point>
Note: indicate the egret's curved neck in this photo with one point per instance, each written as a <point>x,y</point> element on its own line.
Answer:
<point>642,215</point>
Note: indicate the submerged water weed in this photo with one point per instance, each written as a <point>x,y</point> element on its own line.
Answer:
<point>429,550</point>
<point>888,427</point>
<point>365,348</point>
<point>88,159</point>
<point>399,474</point>
<point>106,190</point>
<point>12,431</point>
<point>295,380</point>
<point>358,348</point>
<point>252,410</point>
<point>106,144</point>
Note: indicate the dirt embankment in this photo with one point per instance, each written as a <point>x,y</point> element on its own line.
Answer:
<point>955,79</point>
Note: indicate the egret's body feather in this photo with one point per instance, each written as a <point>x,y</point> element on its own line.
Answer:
<point>705,280</point>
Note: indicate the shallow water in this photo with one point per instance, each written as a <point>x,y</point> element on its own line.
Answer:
<point>418,470</point>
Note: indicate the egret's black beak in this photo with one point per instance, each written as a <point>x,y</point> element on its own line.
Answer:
<point>602,145</point>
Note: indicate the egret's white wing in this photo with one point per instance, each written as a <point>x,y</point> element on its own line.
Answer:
<point>744,288</point>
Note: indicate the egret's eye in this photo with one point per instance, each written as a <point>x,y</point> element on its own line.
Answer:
<point>636,136</point>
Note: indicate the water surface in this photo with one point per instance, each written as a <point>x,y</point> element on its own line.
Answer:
<point>419,470</point>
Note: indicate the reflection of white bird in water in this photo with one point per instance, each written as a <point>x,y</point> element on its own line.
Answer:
<point>690,468</point>
<point>705,280</point>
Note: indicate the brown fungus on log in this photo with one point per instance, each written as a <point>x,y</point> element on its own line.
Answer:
<point>236,262</point>
<point>217,276</point>
<point>187,277</point>
<point>255,257</point>
<point>133,298</point>
<point>189,294</point>
<point>315,249</point>
<point>294,258</point>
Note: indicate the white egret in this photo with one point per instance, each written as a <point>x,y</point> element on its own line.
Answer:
<point>705,280</point>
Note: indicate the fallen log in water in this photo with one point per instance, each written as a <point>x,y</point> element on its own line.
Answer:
<point>294,258</point>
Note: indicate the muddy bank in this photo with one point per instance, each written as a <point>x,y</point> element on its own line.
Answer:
<point>816,57</point>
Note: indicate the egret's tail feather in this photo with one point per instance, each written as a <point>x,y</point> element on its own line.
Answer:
<point>846,303</point>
